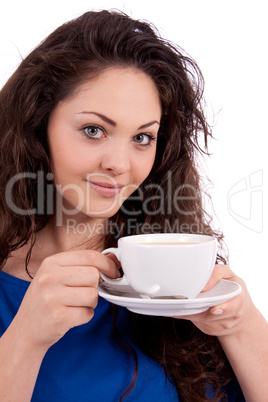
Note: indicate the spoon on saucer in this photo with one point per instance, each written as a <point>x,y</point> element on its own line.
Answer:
<point>134,293</point>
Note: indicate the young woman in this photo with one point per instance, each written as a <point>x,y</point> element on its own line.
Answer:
<point>99,130</point>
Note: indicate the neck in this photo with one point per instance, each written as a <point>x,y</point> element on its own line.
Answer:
<point>73,234</point>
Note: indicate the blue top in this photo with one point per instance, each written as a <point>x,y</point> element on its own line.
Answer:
<point>86,364</point>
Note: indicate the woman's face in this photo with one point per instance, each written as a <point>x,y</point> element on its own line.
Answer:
<point>102,141</point>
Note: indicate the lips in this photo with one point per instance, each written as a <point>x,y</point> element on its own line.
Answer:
<point>106,189</point>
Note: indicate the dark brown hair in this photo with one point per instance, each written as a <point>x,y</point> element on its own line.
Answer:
<point>74,53</point>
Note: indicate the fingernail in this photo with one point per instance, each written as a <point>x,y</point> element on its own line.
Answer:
<point>219,311</point>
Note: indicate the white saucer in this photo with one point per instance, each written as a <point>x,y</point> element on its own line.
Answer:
<point>223,291</point>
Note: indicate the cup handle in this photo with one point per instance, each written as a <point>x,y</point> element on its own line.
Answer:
<point>119,281</point>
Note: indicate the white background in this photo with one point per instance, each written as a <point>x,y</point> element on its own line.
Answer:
<point>228,39</point>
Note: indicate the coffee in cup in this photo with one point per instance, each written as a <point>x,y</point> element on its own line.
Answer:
<point>165,264</point>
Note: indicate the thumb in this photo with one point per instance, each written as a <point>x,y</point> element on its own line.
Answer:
<point>220,272</point>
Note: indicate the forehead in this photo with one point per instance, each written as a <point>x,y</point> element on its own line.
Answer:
<point>118,87</point>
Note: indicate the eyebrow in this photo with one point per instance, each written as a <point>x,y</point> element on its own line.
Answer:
<point>113,123</point>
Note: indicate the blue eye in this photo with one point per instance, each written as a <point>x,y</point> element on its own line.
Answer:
<point>93,132</point>
<point>143,139</point>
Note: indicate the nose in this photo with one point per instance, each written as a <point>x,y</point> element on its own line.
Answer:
<point>117,158</point>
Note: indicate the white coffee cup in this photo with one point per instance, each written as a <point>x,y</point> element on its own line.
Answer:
<point>165,264</point>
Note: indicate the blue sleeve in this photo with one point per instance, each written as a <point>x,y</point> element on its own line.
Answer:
<point>234,392</point>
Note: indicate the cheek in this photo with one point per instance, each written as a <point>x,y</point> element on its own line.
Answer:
<point>143,169</point>
<point>70,161</point>
<point>149,162</point>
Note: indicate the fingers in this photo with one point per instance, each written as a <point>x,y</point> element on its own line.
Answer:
<point>220,311</point>
<point>80,297</point>
<point>79,316</point>
<point>63,294</point>
<point>80,276</point>
<point>233,308</point>
<point>224,310</point>
<point>69,258</point>
<point>83,258</point>
<point>225,318</point>
<point>220,272</point>
<point>222,319</point>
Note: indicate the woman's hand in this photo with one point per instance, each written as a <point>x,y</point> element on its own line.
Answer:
<point>62,295</point>
<point>243,334</point>
<point>226,318</point>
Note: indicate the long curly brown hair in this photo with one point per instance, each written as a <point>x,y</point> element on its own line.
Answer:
<point>171,198</point>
